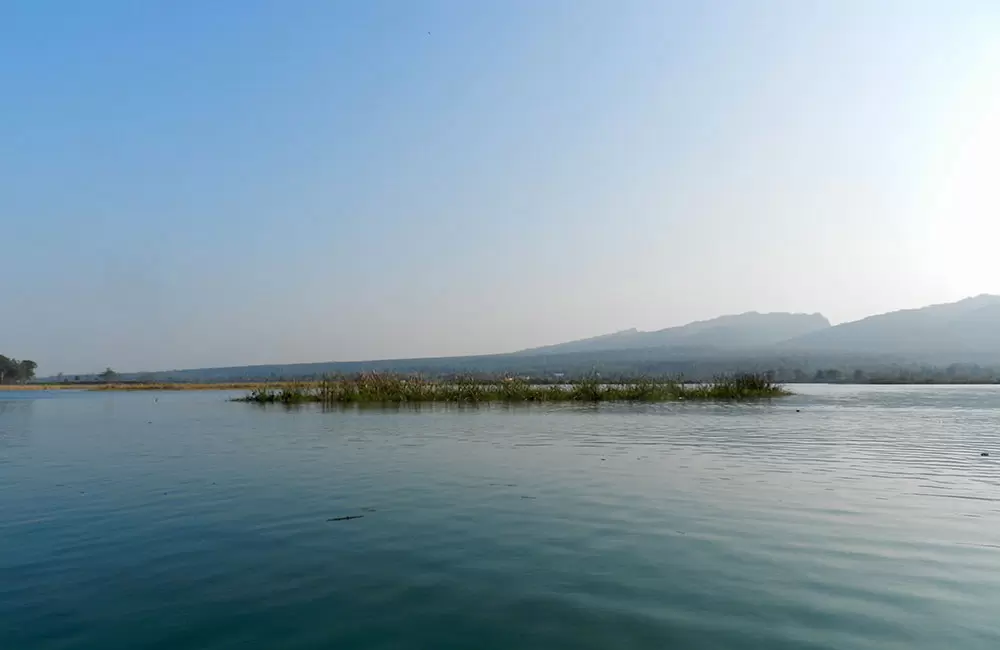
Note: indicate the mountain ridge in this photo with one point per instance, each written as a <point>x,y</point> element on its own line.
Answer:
<point>968,325</point>
<point>748,329</point>
<point>962,332</point>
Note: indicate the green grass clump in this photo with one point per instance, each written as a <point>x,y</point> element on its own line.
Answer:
<point>376,388</point>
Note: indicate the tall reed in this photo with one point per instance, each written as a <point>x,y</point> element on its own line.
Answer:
<point>368,388</point>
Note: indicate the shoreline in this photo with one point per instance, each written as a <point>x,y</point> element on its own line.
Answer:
<point>280,384</point>
<point>165,386</point>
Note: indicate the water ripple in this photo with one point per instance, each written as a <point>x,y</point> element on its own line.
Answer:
<point>844,517</point>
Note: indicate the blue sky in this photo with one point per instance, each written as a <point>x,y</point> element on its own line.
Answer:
<point>190,184</point>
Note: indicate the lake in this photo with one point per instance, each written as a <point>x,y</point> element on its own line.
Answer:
<point>857,517</point>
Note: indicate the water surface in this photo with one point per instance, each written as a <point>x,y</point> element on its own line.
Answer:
<point>843,517</point>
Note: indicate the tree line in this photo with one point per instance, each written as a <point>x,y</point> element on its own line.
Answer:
<point>13,371</point>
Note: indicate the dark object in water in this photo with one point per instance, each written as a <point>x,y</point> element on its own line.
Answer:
<point>523,497</point>
<point>798,411</point>
<point>345,518</point>
<point>985,453</point>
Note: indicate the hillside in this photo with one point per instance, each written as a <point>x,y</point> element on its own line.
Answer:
<point>965,330</point>
<point>749,330</point>
<point>661,361</point>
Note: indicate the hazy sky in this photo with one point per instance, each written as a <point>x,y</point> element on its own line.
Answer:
<point>195,183</point>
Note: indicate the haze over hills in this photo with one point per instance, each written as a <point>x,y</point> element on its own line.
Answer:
<point>959,331</point>
<point>963,332</point>
<point>751,329</point>
<point>967,330</point>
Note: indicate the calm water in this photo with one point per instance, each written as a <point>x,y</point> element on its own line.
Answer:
<point>867,520</point>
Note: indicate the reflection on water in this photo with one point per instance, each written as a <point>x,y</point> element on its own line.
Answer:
<point>11,406</point>
<point>15,423</point>
<point>843,517</point>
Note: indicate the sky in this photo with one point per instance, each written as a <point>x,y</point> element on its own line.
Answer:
<point>190,184</point>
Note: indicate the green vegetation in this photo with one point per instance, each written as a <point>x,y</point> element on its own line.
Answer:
<point>13,371</point>
<point>394,389</point>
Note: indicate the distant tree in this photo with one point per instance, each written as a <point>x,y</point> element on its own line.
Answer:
<point>799,375</point>
<point>833,375</point>
<point>820,376</point>
<point>108,375</point>
<point>859,375</point>
<point>60,377</point>
<point>12,370</point>
<point>26,370</point>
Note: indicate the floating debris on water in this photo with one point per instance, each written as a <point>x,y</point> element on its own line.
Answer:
<point>345,518</point>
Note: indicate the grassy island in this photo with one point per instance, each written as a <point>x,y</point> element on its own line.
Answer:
<point>374,388</point>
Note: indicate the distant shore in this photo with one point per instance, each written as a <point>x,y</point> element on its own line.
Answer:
<point>138,386</point>
<point>383,388</point>
<point>307,384</point>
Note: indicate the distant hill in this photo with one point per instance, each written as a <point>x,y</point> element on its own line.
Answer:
<point>897,345</point>
<point>963,330</point>
<point>692,363</point>
<point>749,330</point>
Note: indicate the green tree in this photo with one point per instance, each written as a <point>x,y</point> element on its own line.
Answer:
<point>26,370</point>
<point>108,375</point>
<point>13,371</point>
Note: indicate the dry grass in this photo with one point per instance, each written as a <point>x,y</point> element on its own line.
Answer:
<point>35,386</point>
<point>251,385</point>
